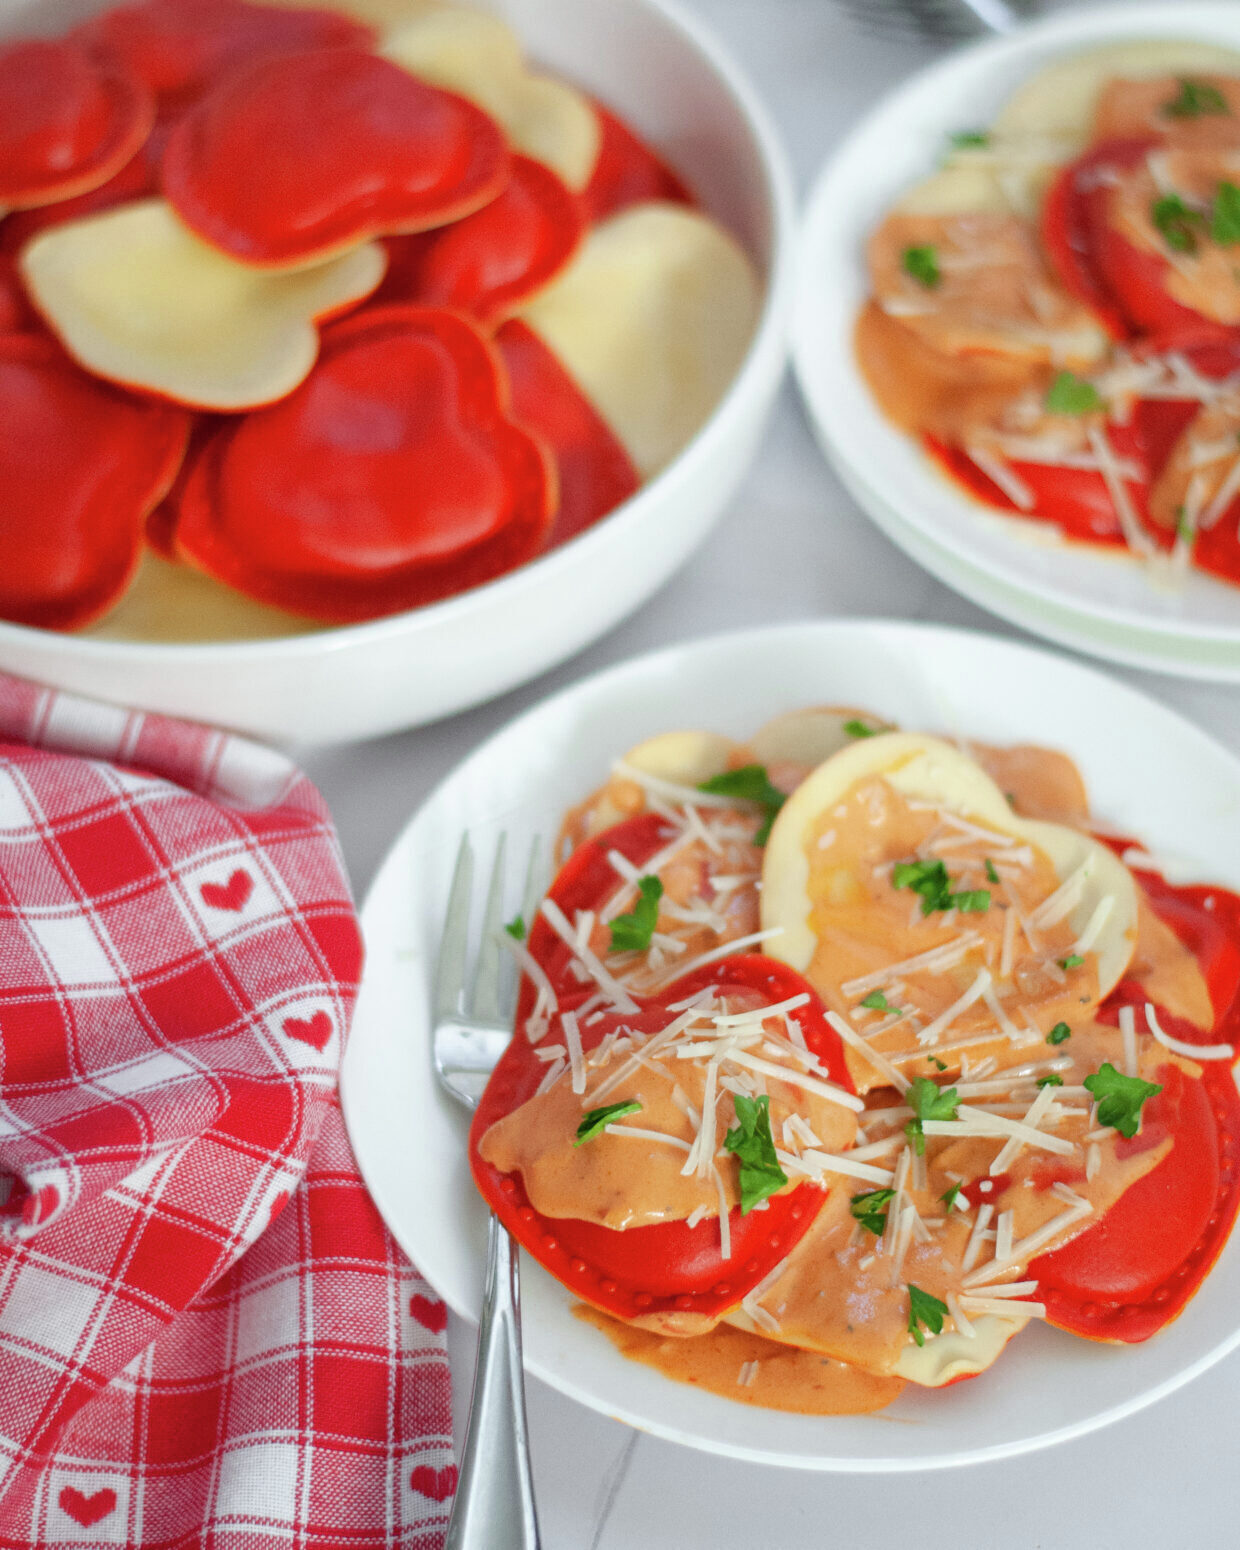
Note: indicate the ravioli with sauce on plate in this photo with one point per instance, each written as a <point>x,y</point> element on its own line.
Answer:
<point>1055,312</point>
<point>842,1054</point>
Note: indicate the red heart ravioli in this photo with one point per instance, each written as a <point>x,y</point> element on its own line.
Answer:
<point>180,47</point>
<point>392,477</point>
<point>627,172</point>
<point>136,179</point>
<point>670,1267</point>
<point>67,122</point>
<point>81,464</point>
<point>490,262</point>
<point>1132,1272</point>
<point>596,473</point>
<point>303,155</point>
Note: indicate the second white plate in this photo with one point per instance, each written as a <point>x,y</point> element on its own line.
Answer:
<point>1149,772</point>
<point>1066,588</point>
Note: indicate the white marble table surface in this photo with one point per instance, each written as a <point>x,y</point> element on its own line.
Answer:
<point>794,546</point>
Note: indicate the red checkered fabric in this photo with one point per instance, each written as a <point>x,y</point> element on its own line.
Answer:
<point>207,1336</point>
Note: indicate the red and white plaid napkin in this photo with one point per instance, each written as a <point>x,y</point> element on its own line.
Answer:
<point>207,1335</point>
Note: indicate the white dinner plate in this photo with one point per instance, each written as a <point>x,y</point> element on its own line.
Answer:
<point>1074,627</point>
<point>1148,771</point>
<point>898,144</point>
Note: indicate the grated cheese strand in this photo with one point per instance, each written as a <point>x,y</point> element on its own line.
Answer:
<point>613,989</point>
<point>1181,1046</point>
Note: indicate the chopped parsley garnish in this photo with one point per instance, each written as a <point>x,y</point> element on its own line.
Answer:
<point>876,1001</point>
<point>748,784</point>
<point>631,933</point>
<point>516,928</point>
<point>870,1209</point>
<point>1072,961</point>
<point>1070,394</point>
<point>964,138</point>
<point>923,265</point>
<point>856,728</point>
<point>1196,98</point>
<point>1184,529</point>
<point>1225,217</point>
<point>1053,1080</point>
<point>950,1196</point>
<point>1176,222</point>
<point>597,1120</point>
<point>939,1065</point>
<point>931,881</point>
<point>752,1144</point>
<point>927,1101</point>
<point>1119,1098</point>
<point>927,1310</point>
<point>990,870</point>
<point>1059,1034</point>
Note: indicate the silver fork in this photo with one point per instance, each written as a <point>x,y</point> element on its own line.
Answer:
<point>494,1507</point>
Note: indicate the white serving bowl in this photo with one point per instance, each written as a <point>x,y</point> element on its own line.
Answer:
<point>661,70</point>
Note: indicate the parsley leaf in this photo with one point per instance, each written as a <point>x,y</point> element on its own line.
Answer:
<point>1053,1080</point>
<point>1176,221</point>
<point>927,1101</point>
<point>1184,529</point>
<point>927,1310</point>
<point>963,138</point>
<point>1120,1097</point>
<point>1072,961</point>
<point>934,1060</point>
<point>870,1209</point>
<point>1196,98</point>
<point>876,1001</point>
<point>597,1120</point>
<point>754,1147</point>
<point>923,265</point>
<point>950,1196</point>
<point>1070,394</point>
<point>930,880</point>
<point>631,933</point>
<point>516,928</point>
<point>857,728</point>
<point>748,784</point>
<point>1059,1034</point>
<point>990,870</point>
<point>1225,217</point>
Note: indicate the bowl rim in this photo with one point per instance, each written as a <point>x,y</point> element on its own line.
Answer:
<point>1060,35</point>
<point>769,340</point>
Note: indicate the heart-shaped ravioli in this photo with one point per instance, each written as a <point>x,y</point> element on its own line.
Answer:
<point>392,477</point>
<point>179,47</point>
<point>305,155</point>
<point>491,262</point>
<point>931,918</point>
<point>595,472</point>
<point>627,172</point>
<point>137,298</point>
<point>80,467</point>
<point>652,319</point>
<point>68,122</point>
<point>480,57</point>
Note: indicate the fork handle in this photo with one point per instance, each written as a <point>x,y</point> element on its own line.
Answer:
<point>494,1507</point>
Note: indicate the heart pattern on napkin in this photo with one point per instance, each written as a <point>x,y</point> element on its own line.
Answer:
<point>429,1312</point>
<point>232,895</point>
<point>86,1510</point>
<point>314,1031</point>
<point>438,1484</point>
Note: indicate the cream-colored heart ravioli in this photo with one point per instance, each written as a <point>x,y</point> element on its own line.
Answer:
<point>932,919</point>
<point>653,319</point>
<point>137,298</point>
<point>480,57</point>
